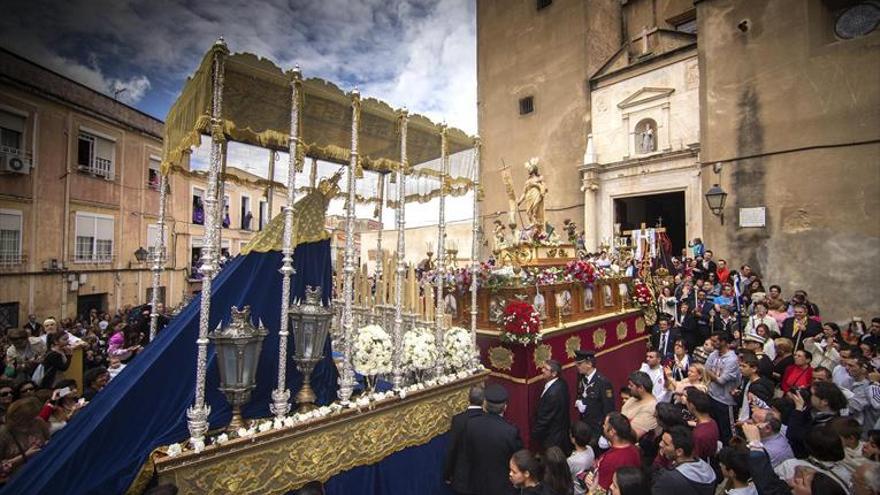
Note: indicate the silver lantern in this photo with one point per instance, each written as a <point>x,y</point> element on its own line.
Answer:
<point>310,323</point>
<point>238,348</point>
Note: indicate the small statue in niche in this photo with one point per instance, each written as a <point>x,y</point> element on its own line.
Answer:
<point>647,140</point>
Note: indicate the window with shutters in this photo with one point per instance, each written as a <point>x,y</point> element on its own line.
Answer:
<point>94,238</point>
<point>11,132</point>
<point>10,237</point>
<point>198,206</point>
<point>95,155</point>
<point>153,172</point>
<point>264,214</point>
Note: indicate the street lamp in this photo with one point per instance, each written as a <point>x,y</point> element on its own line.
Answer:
<point>716,197</point>
<point>238,348</point>
<point>310,322</point>
<point>141,254</point>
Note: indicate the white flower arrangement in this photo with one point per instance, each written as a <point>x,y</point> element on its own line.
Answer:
<point>458,348</point>
<point>419,349</point>
<point>372,351</point>
<point>174,450</point>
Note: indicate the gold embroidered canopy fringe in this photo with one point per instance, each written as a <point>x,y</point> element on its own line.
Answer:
<point>256,111</point>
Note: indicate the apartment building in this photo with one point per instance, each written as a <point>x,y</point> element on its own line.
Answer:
<point>79,201</point>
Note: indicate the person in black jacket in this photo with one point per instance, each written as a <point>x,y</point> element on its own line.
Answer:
<point>663,338</point>
<point>455,469</point>
<point>686,324</point>
<point>489,441</point>
<point>799,327</point>
<point>687,476</point>
<point>753,385</point>
<point>552,419</point>
<point>57,359</point>
<point>826,401</point>
<point>595,392</point>
<point>755,343</point>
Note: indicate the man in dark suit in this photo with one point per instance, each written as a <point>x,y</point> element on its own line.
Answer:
<point>799,327</point>
<point>686,324</point>
<point>709,265</point>
<point>663,338</point>
<point>489,442</point>
<point>552,421</point>
<point>595,393</point>
<point>455,468</point>
<point>702,308</point>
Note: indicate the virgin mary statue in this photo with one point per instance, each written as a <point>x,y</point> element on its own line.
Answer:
<point>533,194</point>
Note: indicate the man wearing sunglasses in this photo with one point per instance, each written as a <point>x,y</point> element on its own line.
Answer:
<point>24,354</point>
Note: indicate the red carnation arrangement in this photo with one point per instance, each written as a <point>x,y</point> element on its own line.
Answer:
<point>521,323</point>
<point>581,271</point>
<point>642,294</point>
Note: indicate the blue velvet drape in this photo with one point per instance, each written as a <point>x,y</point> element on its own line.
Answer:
<point>413,471</point>
<point>103,447</point>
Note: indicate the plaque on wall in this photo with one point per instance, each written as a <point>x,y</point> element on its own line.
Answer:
<point>753,217</point>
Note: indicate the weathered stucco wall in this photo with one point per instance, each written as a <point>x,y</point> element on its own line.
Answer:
<point>791,113</point>
<point>548,54</point>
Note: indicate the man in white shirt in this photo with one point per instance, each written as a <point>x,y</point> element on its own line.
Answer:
<point>759,317</point>
<point>652,367</point>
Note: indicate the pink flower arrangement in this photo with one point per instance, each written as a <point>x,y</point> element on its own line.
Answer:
<point>580,271</point>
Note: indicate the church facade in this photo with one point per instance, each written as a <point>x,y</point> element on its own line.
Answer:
<point>772,101</point>
<point>642,158</point>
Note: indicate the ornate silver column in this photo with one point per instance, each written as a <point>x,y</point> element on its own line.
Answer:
<point>475,249</point>
<point>271,191</point>
<point>281,395</point>
<point>397,335</point>
<point>440,272</point>
<point>220,211</point>
<point>381,194</point>
<point>197,414</point>
<point>346,380</point>
<point>158,256</point>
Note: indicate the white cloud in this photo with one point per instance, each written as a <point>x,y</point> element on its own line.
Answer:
<point>130,91</point>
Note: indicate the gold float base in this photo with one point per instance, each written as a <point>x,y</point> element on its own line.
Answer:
<point>279,461</point>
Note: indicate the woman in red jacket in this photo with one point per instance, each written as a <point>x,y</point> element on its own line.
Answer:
<point>799,374</point>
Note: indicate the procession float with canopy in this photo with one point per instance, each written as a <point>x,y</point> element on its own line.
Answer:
<point>381,362</point>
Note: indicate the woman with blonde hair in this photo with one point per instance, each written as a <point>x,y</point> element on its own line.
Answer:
<point>784,357</point>
<point>696,377</point>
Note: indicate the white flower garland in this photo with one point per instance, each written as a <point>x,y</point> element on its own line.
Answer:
<point>458,348</point>
<point>372,351</point>
<point>419,349</point>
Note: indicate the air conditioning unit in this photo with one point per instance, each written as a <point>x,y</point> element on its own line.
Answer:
<point>14,163</point>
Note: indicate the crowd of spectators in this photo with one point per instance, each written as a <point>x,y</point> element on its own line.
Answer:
<point>743,391</point>
<point>37,399</point>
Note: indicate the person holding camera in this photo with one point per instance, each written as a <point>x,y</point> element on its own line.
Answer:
<point>813,407</point>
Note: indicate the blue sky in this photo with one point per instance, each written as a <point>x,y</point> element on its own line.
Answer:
<point>415,53</point>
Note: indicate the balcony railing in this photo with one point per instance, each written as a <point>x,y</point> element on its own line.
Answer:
<point>93,258</point>
<point>100,167</point>
<point>12,260</point>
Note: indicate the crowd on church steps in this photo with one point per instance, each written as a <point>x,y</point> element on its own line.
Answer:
<point>743,391</point>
